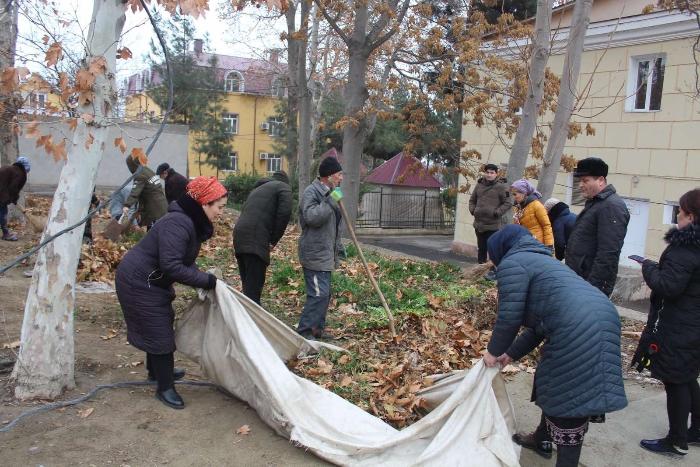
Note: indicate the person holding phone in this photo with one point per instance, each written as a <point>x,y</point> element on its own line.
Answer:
<point>673,328</point>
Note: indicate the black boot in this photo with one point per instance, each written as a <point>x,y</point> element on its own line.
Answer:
<point>171,398</point>
<point>529,441</point>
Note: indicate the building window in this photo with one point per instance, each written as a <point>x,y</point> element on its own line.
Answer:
<point>231,123</point>
<point>231,162</point>
<point>276,126</point>
<point>234,82</point>
<point>671,213</point>
<point>37,100</point>
<point>646,83</point>
<point>146,78</point>
<point>277,88</point>
<point>274,163</point>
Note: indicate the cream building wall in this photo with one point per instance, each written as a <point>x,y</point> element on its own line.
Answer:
<point>654,156</point>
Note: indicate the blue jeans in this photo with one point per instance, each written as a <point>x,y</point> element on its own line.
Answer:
<point>3,218</point>
<point>318,297</point>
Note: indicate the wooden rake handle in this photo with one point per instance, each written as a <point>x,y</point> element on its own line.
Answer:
<point>389,315</point>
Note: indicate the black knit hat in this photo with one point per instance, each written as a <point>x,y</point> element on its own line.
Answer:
<point>493,167</point>
<point>591,166</point>
<point>162,168</point>
<point>329,166</point>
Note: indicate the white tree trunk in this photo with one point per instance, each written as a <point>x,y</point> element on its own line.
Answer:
<point>567,97</point>
<point>304,148</point>
<point>535,92</point>
<point>45,363</point>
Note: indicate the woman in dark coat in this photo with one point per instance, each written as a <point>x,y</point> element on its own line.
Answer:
<point>146,274</point>
<point>673,328</point>
<point>580,372</point>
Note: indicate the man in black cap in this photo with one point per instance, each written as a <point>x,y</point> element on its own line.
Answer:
<point>489,201</point>
<point>175,184</point>
<point>262,223</point>
<point>319,245</point>
<point>593,249</point>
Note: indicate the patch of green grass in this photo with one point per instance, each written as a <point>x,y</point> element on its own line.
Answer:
<point>133,236</point>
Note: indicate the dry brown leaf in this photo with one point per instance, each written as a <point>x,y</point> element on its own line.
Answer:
<point>85,413</point>
<point>345,358</point>
<point>72,123</point>
<point>32,130</point>
<point>53,54</point>
<point>119,143</point>
<point>89,140</point>
<point>124,53</point>
<point>345,382</point>
<point>244,430</point>
<point>45,39</point>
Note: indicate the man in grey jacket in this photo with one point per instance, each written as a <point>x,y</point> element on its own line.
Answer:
<point>319,246</point>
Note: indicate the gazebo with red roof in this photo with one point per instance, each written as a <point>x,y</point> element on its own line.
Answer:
<point>404,194</point>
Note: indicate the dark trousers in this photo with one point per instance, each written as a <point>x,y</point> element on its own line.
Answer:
<point>3,218</point>
<point>567,434</point>
<point>682,400</point>
<point>160,367</point>
<point>318,297</point>
<point>481,239</point>
<point>252,270</point>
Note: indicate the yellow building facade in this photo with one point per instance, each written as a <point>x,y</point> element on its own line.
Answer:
<point>640,77</point>
<point>250,114</point>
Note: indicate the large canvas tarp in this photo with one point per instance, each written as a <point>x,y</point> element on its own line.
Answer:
<point>243,348</point>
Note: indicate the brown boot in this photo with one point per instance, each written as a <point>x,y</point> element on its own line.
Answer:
<point>528,441</point>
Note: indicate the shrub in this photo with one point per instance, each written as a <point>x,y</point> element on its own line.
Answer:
<point>239,187</point>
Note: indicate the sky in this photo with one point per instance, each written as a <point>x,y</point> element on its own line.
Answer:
<point>246,36</point>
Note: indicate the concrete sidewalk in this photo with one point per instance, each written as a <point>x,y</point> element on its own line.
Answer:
<point>421,247</point>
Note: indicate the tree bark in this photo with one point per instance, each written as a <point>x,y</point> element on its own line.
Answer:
<point>9,104</point>
<point>292,84</point>
<point>566,99</point>
<point>45,363</point>
<point>304,149</point>
<point>535,92</point>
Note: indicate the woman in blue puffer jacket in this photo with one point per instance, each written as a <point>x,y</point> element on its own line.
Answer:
<point>580,372</point>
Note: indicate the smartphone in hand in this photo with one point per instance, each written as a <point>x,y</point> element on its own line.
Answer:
<point>637,258</point>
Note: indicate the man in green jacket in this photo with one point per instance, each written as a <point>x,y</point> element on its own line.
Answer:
<point>262,223</point>
<point>148,192</point>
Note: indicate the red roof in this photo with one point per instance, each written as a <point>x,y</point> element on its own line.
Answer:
<point>333,152</point>
<point>403,170</point>
<point>257,74</point>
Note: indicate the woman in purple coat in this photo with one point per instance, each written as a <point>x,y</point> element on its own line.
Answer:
<point>146,274</point>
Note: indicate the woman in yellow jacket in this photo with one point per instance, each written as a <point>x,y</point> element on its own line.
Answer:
<point>530,212</point>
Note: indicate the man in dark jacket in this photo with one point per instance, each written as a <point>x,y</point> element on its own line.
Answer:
<point>319,245</point>
<point>562,220</point>
<point>12,180</point>
<point>175,183</point>
<point>148,192</point>
<point>593,249</point>
<point>489,201</point>
<point>262,223</point>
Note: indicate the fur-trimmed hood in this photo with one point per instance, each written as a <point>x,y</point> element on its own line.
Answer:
<point>689,236</point>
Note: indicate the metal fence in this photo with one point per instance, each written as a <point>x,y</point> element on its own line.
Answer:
<point>416,210</point>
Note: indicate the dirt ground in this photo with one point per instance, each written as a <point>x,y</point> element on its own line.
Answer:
<point>127,426</point>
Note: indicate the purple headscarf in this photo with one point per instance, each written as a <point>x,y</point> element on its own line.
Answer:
<point>525,187</point>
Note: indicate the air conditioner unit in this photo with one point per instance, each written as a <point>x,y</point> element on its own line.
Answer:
<point>264,156</point>
<point>264,126</point>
